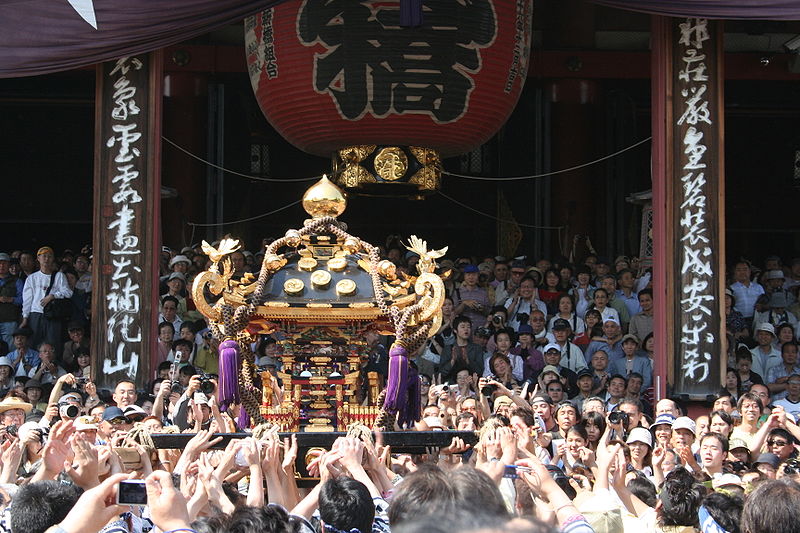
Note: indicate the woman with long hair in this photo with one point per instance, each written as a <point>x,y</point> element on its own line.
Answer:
<point>551,291</point>
<point>583,292</point>
<point>595,425</point>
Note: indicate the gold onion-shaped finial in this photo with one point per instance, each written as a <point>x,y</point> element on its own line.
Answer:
<point>324,199</point>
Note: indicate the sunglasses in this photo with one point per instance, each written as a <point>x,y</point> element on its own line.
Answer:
<point>777,443</point>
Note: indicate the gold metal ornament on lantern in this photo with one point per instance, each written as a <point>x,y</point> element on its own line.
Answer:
<point>293,286</point>
<point>320,279</point>
<point>324,199</point>
<point>337,264</point>
<point>391,163</point>
<point>307,263</point>
<point>346,287</point>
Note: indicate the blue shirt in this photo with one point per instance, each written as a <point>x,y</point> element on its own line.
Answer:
<point>631,302</point>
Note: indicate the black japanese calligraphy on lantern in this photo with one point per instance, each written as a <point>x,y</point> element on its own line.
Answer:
<point>372,65</point>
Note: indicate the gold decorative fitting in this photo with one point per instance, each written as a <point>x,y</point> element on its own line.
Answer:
<point>351,245</point>
<point>307,263</point>
<point>324,199</point>
<point>337,264</point>
<point>320,279</point>
<point>312,305</point>
<point>391,163</point>
<point>293,286</point>
<point>346,287</point>
<point>293,238</point>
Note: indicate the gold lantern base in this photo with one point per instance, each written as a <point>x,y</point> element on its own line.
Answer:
<point>393,171</point>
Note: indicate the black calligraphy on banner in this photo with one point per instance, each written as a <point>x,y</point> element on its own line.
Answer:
<point>372,65</point>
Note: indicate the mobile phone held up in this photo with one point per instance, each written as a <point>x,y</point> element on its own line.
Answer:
<point>132,492</point>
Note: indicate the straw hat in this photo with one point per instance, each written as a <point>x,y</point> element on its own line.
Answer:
<point>14,403</point>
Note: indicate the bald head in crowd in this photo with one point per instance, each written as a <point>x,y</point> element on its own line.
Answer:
<point>667,406</point>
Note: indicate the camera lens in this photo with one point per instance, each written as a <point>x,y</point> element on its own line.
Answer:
<point>207,387</point>
<point>69,411</point>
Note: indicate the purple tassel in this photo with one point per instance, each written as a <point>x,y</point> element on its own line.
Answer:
<point>228,374</point>
<point>244,418</point>
<point>397,385</point>
<point>411,412</point>
<point>410,13</point>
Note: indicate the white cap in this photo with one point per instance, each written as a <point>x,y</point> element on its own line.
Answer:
<point>638,434</point>
<point>552,346</point>
<point>179,259</point>
<point>611,319</point>
<point>684,422</point>
<point>766,326</point>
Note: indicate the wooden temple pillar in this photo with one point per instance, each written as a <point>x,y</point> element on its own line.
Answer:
<point>127,193</point>
<point>688,206</point>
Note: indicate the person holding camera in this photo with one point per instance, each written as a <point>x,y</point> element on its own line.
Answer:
<point>48,371</point>
<point>470,299</point>
<point>463,354</point>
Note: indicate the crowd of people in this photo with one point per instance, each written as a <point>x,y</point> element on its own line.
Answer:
<point>549,363</point>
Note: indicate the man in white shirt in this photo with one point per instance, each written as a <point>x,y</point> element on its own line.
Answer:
<point>35,297</point>
<point>791,404</point>
<point>745,291</point>
<point>571,356</point>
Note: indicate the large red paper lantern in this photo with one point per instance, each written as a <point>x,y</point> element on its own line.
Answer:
<point>331,74</point>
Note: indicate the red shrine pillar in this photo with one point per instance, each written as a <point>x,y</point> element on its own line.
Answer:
<point>688,205</point>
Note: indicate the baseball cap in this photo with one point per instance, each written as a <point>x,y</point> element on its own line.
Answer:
<point>768,458</point>
<point>560,323</point>
<point>113,413</point>
<point>664,418</point>
<point>525,329</point>
<point>640,435</point>
<point>177,275</point>
<point>518,263</point>
<point>200,398</point>
<point>552,346</point>
<point>684,422</point>
<point>4,257</point>
<point>134,413</point>
<point>778,300</point>
<point>502,400</point>
<point>766,326</point>
<point>630,337</point>
<point>738,443</point>
<point>179,259</point>
<point>585,372</point>
<point>551,368</point>
<point>44,250</point>
<point>775,274</point>
<point>469,269</point>
<point>86,422</point>
<point>611,319</point>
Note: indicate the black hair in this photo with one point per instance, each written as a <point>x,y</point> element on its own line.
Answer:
<point>772,508</point>
<point>643,488</point>
<point>165,324</point>
<point>182,342</point>
<point>346,504</point>
<point>188,324</point>
<point>525,414</point>
<point>788,343</point>
<point>645,291</point>
<point>474,489</point>
<point>266,519</point>
<point>725,509</point>
<point>209,524</point>
<point>169,298</point>
<point>580,430</point>
<point>723,440</point>
<point>188,370</point>
<point>423,492</point>
<point>596,419</point>
<point>680,499</point>
<point>459,320</point>
<point>164,365</point>
<point>40,505</point>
